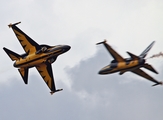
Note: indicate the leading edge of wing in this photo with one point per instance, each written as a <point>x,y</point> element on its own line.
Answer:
<point>27,43</point>
<point>115,55</point>
<point>45,71</point>
<point>145,75</point>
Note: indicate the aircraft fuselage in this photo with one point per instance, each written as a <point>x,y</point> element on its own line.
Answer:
<point>34,59</point>
<point>127,65</point>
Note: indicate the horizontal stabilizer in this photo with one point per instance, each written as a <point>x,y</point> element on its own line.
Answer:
<point>133,56</point>
<point>11,54</point>
<point>159,83</point>
<point>24,74</point>
<point>149,67</point>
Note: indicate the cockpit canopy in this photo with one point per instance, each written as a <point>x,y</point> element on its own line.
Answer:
<point>47,48</point>
<point>44,48</point>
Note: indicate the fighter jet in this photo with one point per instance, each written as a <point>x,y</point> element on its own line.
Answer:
<point>39,56</point>
<point>132,64</point>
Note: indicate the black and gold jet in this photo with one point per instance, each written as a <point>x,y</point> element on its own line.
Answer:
<point>39,56</point>
<point>133,64</point>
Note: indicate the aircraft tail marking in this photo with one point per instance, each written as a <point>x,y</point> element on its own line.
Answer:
<point>11,54</point>
<point>24,74</point>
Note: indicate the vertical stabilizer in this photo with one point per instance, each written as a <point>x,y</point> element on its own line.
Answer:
<point>145,52</point>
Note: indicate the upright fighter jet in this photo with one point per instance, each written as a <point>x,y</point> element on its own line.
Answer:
<point>39,56</point>
<point>132,64</point>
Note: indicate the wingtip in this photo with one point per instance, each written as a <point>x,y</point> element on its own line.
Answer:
<point>10,25</point>
<point>52,92</point>
<point>4,48</point>
<point>159,83</point>
<point>102,42</point>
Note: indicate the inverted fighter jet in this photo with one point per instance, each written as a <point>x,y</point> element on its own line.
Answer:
<point>39,56</point>
<point>132,64</point>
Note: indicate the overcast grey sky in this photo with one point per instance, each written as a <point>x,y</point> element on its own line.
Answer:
<point>127,25</point>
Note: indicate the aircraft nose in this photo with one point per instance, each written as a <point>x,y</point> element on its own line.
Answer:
<point>106,70</point>
<point>101,72</point>
<point>67,47</point>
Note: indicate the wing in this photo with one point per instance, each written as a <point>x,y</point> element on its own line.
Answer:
<point>45,71</point>
<point>145,75</point>
<point>115,55</point>
<point>29,45</point>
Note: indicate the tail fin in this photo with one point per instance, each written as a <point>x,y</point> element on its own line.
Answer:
<point>24,74</point>
<point>11,54</point>
<point>145,52</point>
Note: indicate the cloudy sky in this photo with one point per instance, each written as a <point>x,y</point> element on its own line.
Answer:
<point>127,26</point>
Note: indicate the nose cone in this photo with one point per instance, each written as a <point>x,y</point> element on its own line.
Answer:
<point>100,72</point>
<point>105,70</point>
<point>66,48</point>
